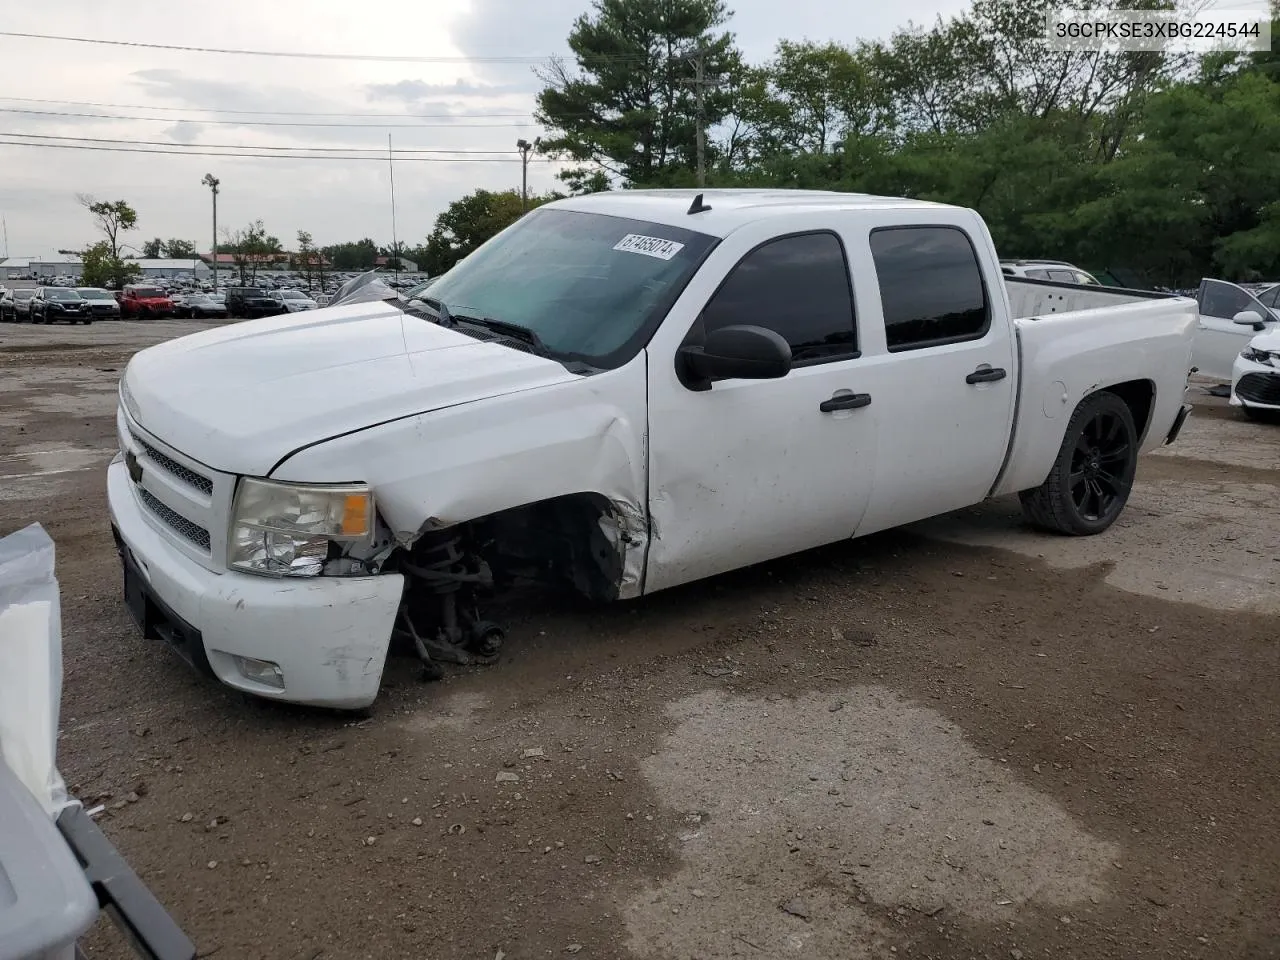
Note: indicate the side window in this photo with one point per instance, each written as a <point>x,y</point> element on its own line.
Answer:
<point>1271,298</point>
<point>1222,300</point>
<point>930,286</point>
<point>1038,274</point>
<point>797,286</point>
<point>1064,276</point>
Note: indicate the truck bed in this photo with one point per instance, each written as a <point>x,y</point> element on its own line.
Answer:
<point>1072,339</point>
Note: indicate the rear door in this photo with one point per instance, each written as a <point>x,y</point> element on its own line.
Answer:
<point>939,358</point>
<point>1219,339</point>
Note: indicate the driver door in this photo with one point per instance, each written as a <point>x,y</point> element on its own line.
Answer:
<point>1219,339</point>
<point>749,470</point>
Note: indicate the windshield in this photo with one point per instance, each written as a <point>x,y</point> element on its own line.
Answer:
<point>587,284</point>
<point>23,294</point>
<point>147,292</point>
<point>293,295</point>
<point>55,294</point>
<point>95,294</point>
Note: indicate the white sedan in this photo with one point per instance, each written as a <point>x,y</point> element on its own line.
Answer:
<point>1230,317</point>
<point>1255,377</point>
<point>293,300</point>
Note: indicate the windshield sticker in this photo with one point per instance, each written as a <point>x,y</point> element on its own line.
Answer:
<point>649,246</point>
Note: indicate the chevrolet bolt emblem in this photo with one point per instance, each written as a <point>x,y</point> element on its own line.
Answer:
<point>135,468</point>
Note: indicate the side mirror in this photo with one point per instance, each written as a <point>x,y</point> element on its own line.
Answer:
<point>1249,318</point>
<point>737,352</point>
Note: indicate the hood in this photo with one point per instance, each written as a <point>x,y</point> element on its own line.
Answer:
<point>1267,341</point>
<point>239,398</point>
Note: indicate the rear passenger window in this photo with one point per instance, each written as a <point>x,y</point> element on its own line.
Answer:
<point>1064,276</point>
<point>797,286</point>
<point>930,285</point>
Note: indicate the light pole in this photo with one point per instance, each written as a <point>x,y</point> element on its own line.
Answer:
<point>524,146</point>
<point>212,183</point>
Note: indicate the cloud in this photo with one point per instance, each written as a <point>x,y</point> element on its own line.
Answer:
<point>416,91</point>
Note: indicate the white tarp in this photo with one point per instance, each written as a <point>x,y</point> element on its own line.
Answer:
<point>31,664</point>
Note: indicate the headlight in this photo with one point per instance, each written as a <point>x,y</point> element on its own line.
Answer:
<point>284,529</point>
<point>1256,355</point>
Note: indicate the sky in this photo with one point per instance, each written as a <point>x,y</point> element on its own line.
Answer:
<point>463,101</point>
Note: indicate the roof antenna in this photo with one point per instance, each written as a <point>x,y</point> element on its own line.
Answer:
<point>698,206</point>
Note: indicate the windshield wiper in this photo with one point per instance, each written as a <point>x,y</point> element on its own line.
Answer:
<point>504,328</point>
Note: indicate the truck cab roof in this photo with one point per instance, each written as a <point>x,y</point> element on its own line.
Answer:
<point>725,210</point>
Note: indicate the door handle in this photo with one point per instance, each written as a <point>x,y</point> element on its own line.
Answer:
<point>845,401</point>
<point>986,375</point>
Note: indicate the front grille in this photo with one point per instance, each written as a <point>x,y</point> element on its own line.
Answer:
<point>1259,388</point>
<point>168,464</point>
<point>192,531</point>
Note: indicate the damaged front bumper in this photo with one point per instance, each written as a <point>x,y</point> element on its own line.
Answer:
<point>321,641</point>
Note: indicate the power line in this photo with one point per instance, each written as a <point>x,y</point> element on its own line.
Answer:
<point>263,113</point>
<point>263,123</point>
<point>245,146</point>
<point>251,156</point>
<point>375,58</point>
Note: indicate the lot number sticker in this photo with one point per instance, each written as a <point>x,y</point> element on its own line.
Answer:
<point>649,246</point>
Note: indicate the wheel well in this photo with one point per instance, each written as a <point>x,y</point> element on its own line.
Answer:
<point>560,539</point>
<point>1139,397</point>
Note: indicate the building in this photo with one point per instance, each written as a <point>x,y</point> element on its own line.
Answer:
<point>154,268</point>
<point>38,268</point>
<point>406,266</point>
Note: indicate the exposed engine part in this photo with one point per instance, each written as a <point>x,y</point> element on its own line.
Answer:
<point>440,613</point>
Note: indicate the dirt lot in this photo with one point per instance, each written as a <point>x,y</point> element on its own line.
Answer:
<point>961,739</point>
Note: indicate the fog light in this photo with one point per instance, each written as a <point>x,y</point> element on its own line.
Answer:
<point>260,671</point>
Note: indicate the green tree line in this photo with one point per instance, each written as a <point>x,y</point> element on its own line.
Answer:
<point>1163,165</point>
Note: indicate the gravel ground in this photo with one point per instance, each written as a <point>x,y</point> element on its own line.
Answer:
<point>960,739</point>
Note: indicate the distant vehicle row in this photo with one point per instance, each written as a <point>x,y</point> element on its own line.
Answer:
<point>48,304</point>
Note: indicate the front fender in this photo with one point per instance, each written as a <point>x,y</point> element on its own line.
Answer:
<point>448,466</point>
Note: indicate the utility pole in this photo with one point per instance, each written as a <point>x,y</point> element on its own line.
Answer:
<point>524,146</point>
<point>212,183</point>
<point>395,240</point>
<point>700,85</point>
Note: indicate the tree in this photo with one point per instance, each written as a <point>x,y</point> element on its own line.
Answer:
<point>153,248</point>
<point>628,108</point>
<point>102,260</point>
<point>112,219</point>
<point>102,269</point>
<point>176,249</point>
<point>251,247</point>
<point>305,259</point>
<point>352,256</point>
<point>469,222</point>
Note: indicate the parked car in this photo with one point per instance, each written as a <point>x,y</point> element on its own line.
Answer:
<point>144,302</point>
<point>1255,377</point>
<point>102,303</point>
<point>52,304</point>
<point>202,306</point>
<point>624,392</point>
<point>252,302</point>
<point>15,306</point>
<point>293,301</point>
<point>1055,270</point>
<point>1229,318</point>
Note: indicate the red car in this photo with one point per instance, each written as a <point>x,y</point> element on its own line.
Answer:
<point>140,302</point>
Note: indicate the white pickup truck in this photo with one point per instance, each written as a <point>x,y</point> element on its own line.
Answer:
<point>621,393</point>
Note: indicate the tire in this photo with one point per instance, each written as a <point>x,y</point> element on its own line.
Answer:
<point>1092,476</point>
<point>1261,416</point>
